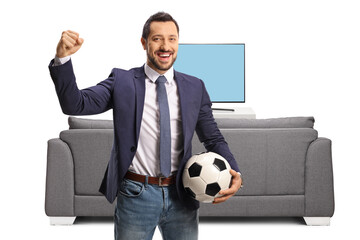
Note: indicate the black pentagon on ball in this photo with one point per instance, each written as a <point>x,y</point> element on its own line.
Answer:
<point>195,170</point>
<point>219,164</point>
<point>190,192</point>
<point>212,189</point>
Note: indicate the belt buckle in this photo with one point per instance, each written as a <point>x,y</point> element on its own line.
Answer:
<point>162,184</point>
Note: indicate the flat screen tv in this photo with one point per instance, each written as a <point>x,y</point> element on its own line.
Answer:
<point>220,66</point>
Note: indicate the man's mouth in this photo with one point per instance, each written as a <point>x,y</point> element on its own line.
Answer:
<point>164,56</point>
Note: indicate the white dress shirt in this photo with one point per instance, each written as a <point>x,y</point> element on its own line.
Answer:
<point>147,156</point>
<point>146,160</point>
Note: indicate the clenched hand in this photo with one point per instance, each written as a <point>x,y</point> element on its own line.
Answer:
<point>69,44</point>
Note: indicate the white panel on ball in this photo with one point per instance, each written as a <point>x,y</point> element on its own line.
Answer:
<point>209,173</point>
<point>204,198</point>
<point>224,179</point>
<point>197,185</point>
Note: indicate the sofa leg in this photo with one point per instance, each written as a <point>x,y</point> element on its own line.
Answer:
<point>317,221</point>
<point>62,220</point>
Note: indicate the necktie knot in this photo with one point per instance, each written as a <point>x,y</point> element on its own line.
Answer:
<point>161,79</point>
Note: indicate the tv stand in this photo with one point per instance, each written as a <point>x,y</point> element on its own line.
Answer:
<point>223,109</point>
<point>232,110</point>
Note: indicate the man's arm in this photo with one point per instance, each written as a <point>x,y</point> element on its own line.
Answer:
<point>209,133</point>
<point>93,100</point>
<point>214,141</point>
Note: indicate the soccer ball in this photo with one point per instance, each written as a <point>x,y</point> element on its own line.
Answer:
<point>205,174</point>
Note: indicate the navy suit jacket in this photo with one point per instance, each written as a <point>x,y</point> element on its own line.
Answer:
<point>124,92</point>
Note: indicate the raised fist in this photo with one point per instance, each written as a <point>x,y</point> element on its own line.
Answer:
<point>69,44</point>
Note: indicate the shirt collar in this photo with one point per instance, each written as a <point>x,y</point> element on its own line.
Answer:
<point>153,75</point>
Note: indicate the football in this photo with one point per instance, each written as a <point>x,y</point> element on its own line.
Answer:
<point>205,174</point>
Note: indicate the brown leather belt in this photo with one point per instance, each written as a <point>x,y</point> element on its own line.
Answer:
<point>161,181</point>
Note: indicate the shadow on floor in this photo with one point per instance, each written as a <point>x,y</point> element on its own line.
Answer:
<point>93,220</point>
<point>254,220</point>
<point>210,220</point>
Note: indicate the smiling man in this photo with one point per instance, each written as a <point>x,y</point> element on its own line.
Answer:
<point>156,111</point>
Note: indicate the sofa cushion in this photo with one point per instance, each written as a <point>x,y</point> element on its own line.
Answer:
<point>290,122</point>
<point>271,160</point>
<point>91,150</point>
<point>84,123</point>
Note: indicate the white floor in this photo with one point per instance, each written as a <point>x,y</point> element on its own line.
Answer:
<point>238,228</point>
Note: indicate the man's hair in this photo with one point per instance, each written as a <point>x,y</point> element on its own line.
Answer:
<point>157,17</point>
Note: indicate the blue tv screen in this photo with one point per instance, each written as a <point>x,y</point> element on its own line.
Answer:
<point>220,66</point>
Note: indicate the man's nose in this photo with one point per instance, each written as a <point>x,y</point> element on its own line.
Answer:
<point>165,46</point>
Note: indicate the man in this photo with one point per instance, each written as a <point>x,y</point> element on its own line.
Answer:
<point>156,111</point>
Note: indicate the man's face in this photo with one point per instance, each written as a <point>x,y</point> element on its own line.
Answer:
<point>161,46</point>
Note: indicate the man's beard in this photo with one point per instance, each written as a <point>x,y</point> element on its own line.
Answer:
<point>153,61</point>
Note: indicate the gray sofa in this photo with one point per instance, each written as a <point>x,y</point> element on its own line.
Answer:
<point>286,168</point>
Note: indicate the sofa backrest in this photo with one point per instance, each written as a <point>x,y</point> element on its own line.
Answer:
<point>83,123</point>
<point>271,161</point>
<point>91,150</point>
<point>271,153</point>
<point>291,122</point>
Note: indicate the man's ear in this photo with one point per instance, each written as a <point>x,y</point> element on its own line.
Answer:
<point>143,42</point>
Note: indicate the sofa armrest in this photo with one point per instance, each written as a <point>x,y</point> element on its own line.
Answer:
<point>319,185</point>
<point>59,196</point>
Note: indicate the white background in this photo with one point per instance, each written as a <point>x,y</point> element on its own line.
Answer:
<point>302,59</point>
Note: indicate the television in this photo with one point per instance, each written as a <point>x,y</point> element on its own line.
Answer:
<point>220,66</point>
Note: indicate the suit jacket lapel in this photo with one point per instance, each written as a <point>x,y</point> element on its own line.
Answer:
<point>139,81</point>
<point>183,106</point>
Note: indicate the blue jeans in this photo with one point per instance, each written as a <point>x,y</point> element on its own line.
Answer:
<point>141,207</point>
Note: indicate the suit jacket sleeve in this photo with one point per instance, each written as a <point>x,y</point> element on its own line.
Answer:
<point>209,134</point>
<point>92,100</point>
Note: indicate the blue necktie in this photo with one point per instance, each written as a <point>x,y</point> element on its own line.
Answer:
<point>165,134</point>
